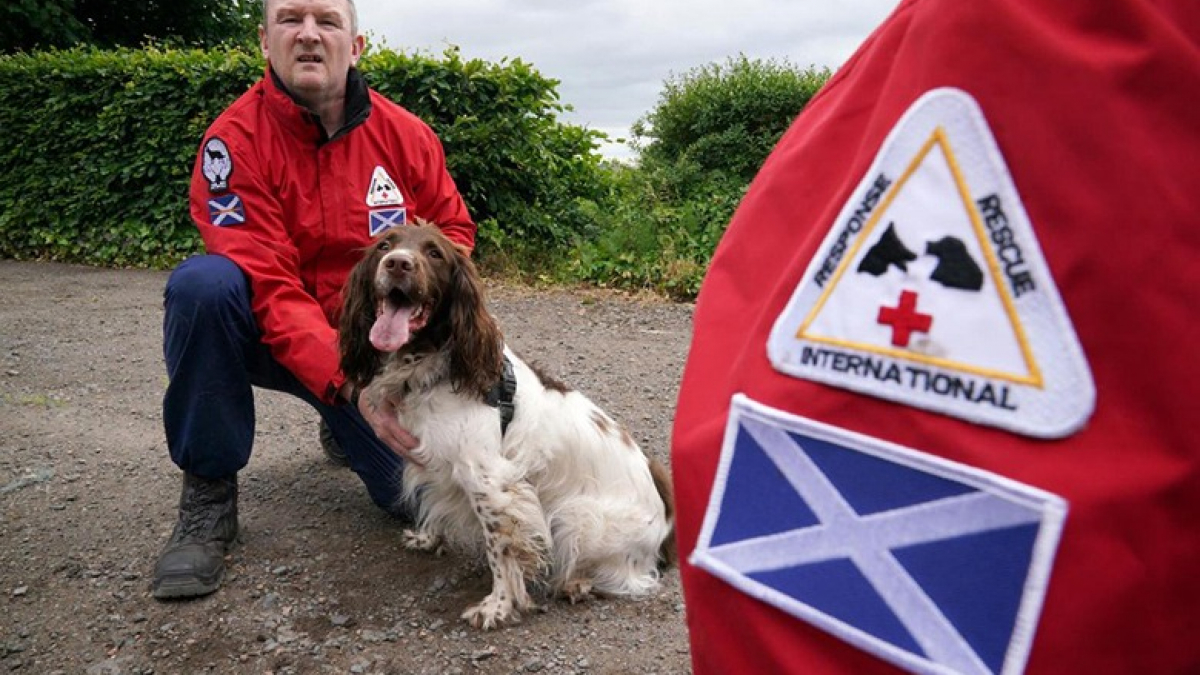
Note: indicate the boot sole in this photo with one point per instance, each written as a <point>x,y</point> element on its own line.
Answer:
<point>179,587</point>
<point>186,587</point>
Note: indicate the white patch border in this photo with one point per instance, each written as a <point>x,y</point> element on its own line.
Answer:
<point>381,174</point>
<point>237,204</point>
<point>387,222</point>
<point>218,182</point>
<point>1068,398</point>
<point>1053,507</point>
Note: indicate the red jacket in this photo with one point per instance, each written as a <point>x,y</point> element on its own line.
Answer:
<point>1026,172</point>
<point>293,209</point>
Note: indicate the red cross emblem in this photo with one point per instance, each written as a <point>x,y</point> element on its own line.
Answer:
<point>905,319</point>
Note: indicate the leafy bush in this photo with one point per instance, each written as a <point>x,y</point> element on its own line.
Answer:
<point>698,150</point>
<point>647,241</point>
<point>98,149</point>
<point>99,145</point>
<point>725,118</point>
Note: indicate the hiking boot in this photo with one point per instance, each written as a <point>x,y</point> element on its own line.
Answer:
<point>332,450</point>
<point>193,561</point>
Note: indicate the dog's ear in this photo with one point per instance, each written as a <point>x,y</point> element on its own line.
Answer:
<point>476,349</point>
<point>359,360</point>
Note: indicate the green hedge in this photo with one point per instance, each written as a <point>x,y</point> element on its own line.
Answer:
<point>97,147</point>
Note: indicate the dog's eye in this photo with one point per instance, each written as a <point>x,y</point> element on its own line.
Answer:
<point>435,252</point>
<point>384,246</point>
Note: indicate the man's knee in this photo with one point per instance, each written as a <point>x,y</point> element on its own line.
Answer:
<point>205,281</point>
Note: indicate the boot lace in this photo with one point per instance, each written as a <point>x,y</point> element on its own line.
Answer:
<point>205,502</point>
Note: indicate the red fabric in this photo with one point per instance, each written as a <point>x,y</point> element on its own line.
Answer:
<point>1096,108</point>
<point>306,213</point>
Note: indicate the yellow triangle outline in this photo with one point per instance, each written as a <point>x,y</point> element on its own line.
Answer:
<point>939,139</point>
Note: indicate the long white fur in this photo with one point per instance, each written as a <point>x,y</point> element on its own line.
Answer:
<point>565,497</point>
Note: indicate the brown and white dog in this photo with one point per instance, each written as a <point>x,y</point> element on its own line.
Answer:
<point>562,498</point>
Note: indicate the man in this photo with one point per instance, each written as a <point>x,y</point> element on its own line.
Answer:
<point>291,182</point>
<point>939,411</point>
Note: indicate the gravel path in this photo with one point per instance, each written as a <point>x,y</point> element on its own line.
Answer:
<point>319,583</point>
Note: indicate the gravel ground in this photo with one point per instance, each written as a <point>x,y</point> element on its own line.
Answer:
<point>319,582</point>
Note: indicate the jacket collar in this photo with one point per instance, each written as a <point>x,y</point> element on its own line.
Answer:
<point>307,124</point>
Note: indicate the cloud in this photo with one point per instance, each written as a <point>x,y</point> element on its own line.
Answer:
<point>613,56</point>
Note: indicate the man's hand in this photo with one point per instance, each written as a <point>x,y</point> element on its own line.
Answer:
<point>384,421</point>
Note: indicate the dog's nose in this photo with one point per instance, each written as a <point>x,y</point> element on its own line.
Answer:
<point>399,262</point>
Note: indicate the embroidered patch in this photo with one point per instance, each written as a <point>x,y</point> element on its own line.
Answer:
<point>217,164</point>
<point>383,190</point>
<point>385,219</point>
<point>931,289</point>
<point>931,565</point>
<point>226,210</point>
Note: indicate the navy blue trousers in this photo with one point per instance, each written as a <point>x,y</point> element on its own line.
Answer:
<point>214,355</point>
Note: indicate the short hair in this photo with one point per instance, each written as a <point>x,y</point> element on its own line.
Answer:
<point>349,3</point>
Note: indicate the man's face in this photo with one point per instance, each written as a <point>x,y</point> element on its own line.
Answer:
<point>311,46</point>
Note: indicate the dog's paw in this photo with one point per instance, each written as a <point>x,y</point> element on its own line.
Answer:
<point>491,612</point>
<point>578,590</point>
<point>420,540</point>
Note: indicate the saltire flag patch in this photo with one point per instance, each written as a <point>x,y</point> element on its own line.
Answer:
<point>934,566</point>
<point>385,219</point>
<point>226,210</point>
<point>931,290</point>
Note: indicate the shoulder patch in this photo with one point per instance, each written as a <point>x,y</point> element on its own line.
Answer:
<point>931,565</point>
<point>217,164</point>
<point>226,210</point>
<point>931,289</point>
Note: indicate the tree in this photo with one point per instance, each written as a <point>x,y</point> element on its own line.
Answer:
<point>725,118</point>
<point>30,24</point>
<point>27,24</point>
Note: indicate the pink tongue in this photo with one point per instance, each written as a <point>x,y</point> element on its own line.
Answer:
<point>390,331</point>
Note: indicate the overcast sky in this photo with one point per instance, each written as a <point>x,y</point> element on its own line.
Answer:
<point>612,56</point>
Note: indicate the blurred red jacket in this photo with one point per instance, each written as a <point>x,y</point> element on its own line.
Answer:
<point>964,284</point>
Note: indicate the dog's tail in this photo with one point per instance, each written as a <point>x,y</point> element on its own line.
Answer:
<point>668,555</point>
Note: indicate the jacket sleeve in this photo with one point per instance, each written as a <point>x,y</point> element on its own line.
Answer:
<point>253,235</point>
<point>439,200</point>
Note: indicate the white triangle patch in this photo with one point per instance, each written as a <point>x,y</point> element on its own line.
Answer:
<point>383,190</point>
<point>931,290</point>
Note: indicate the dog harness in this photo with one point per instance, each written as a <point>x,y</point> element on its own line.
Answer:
<point>501,395</point>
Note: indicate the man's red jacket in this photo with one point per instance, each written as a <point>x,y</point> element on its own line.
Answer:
<point>940,409</point>
<point>294,209</point>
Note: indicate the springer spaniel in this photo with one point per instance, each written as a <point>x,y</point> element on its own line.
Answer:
<point>560,498</point>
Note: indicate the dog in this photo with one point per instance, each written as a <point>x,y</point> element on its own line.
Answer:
<point>512,465</point>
